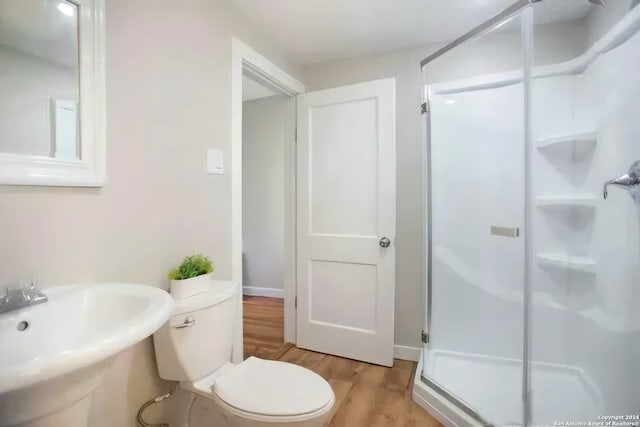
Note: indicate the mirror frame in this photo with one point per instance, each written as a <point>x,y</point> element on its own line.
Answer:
<point>90,170</point>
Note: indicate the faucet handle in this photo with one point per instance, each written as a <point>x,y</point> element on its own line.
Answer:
<point>34,285</point>
<point>26,295</point>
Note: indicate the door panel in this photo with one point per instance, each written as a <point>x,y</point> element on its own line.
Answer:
<point>333,163</point>
<point>346,204</point>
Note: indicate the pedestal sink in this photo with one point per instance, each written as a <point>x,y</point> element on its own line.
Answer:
<point>53,355</point>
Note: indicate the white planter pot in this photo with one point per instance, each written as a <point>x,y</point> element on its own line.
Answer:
<point>190,287</point>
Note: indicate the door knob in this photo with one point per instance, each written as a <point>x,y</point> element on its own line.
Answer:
<point>384,242</point>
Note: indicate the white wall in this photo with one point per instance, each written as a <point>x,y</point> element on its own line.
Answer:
<point>600,20</point>
<point>168,100</point>
<point>265,123</point>
<point>491,53</point>
<point>575,313</point>
<point>26,84</point>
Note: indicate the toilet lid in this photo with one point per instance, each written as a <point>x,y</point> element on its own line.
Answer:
<point>269,387</point>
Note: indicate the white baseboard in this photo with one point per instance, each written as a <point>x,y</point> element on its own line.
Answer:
<point>257,291</point>
<point>404,352</point>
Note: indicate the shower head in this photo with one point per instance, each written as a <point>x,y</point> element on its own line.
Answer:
<point>597,2</point>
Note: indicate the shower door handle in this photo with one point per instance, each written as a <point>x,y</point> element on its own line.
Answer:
<point>505,231</point>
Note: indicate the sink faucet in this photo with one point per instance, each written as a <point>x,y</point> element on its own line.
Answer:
<point>17,298</point>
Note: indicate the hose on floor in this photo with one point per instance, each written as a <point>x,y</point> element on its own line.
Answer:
<point>148,403</point>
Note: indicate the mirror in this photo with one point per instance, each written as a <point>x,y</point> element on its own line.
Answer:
<point>52,92</point>
<point>39,78</point>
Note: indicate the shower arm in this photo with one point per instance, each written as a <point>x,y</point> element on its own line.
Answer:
<point>627,180</point>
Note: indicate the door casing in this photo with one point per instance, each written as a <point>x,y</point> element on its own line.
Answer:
<point>244,59</point>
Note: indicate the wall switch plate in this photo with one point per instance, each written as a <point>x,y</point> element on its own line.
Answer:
<point>215,161</point>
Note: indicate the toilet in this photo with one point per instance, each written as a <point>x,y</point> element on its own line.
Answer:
<point>194,347</point>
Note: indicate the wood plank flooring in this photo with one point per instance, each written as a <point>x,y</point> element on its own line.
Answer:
<point>366,395</point>
<point>263,323</point>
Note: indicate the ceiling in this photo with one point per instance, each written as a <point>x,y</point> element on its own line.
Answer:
<point>312,31</point>
<point>41,28</point>
<point>253,90</point>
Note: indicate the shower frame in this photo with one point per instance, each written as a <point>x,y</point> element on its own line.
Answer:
<point>527,42</point>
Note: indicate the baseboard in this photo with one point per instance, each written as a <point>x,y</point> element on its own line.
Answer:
<point>257,291</point>
<point>404,352</point>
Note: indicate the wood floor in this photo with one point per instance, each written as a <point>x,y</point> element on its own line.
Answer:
<point>366,395</point>
<point>263,323</point>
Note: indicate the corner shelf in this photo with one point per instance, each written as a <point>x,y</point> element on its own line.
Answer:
<point>583,140</point>
<point>580,264</point>
<point>579,201</point>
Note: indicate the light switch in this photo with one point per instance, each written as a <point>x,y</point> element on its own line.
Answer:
<point>215,161</point>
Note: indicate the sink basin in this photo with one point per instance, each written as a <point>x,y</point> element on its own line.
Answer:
<point>53,355</point>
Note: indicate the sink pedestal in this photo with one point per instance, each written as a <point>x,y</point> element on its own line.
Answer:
<point>63,402</point>
<point>76,415</point>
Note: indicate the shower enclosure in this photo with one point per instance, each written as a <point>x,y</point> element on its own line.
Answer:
<point>533,276</point>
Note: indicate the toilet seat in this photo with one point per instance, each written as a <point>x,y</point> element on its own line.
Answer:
<point>271,390</point>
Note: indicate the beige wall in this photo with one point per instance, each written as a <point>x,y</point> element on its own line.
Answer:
<point>169,89</point>
<point>498,52</point>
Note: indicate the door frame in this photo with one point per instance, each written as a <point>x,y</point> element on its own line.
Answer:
<point>246,59</point>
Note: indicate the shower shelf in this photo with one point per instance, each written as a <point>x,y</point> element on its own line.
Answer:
<point>582,201</point>
<point>584,140</point>
<point>574,263</point>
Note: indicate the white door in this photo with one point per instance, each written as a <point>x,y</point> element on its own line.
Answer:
<point>346,217</point>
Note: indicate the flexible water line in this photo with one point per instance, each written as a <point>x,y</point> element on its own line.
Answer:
<point>150,402</point>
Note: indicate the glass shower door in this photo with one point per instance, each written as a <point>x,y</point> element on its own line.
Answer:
<point>476,181</point>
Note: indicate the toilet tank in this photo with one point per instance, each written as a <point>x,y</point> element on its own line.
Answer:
<point>198,338</point>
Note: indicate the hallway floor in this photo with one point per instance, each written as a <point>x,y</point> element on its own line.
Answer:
<point>366,395</point>
<point>263,323</point>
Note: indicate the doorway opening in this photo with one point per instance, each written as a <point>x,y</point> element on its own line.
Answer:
<point>268,125</point>
<point>254,76</point>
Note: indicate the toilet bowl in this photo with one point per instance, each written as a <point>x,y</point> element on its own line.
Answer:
<point>261,392</point>
<point>194,348</point>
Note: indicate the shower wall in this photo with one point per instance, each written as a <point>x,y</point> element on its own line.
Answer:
<point>600,20</point>
<point>586,270</point>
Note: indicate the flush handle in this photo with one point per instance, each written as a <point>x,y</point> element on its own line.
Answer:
<point>188,322</point>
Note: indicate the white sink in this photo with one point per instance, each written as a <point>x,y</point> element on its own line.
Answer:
<point>49,370</point>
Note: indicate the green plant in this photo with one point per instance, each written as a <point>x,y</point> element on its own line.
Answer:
<point>192,266</point>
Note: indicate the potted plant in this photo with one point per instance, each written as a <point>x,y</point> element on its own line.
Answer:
<point>191,277</point>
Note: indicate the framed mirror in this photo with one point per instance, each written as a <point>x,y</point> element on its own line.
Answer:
<point>52,108</point>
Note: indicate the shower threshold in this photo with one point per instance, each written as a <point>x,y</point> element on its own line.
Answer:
<point>492,389</point>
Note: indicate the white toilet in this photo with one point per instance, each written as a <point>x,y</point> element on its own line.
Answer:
<point>194,347</point>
